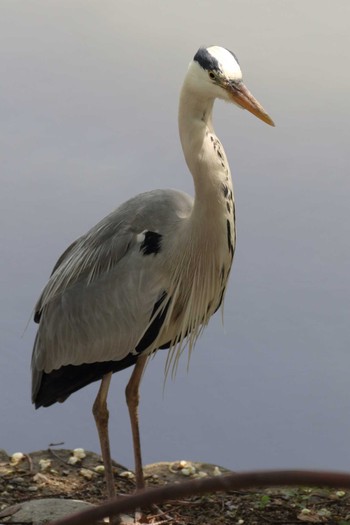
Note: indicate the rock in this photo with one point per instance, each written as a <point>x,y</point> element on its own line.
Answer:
<point>42,511</point>
<point>3,455</point>
<point>178,471</point>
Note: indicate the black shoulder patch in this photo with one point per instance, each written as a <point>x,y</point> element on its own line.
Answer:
<point>151,243</point>
<point>206,60</point>
<point>37,317</point>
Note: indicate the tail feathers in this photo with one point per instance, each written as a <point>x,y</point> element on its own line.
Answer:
<point>59,384</point>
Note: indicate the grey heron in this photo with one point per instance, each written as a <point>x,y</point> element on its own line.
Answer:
<point>151,274</point>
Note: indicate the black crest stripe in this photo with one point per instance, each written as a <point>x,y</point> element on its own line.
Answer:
<point>206,60</point>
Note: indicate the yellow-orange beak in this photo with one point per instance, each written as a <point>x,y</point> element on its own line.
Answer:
<point>242,96</point>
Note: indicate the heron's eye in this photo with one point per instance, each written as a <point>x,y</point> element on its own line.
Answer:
<point>212,75</point>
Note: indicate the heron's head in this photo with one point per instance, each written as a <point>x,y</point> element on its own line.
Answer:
<point>215,73</point>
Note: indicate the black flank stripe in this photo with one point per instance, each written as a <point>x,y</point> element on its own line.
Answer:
<point>154,328</point>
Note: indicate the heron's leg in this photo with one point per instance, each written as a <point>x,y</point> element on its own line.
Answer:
<point>101,415</point>
<point>132,400</point>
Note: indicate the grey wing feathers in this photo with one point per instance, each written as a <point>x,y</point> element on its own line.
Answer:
<point>101,294</point>
<point>38,306</point>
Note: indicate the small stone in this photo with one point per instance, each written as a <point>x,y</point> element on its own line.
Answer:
<point>230,506</point>
<point>340,493</point>
<point>325,513</point>
<point>127,474</point>
<point>5,471</point>
<point>40,478</point>
<point>86,473</point>
<point>79,453</point>
<point>188,471</point>
<point>201,474</point>
<point>44,464</point>
<point>73,460</point>
<point>99,469</point>
<point>31,488</point>
<point>217,471</point>
<point>3,455</point>
<point>16,458</point>
<point>18,480</point>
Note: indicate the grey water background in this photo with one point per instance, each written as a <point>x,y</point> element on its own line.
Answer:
<point>88,117</point>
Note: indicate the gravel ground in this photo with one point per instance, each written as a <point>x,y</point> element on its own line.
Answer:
<point>79,475</point>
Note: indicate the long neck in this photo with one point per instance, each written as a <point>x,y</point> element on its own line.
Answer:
<point>201,255</point>
<point>210,229</point>
<point>203,152</point>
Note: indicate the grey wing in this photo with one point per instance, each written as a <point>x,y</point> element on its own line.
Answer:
<point>99,300</point>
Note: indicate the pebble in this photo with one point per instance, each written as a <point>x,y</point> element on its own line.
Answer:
<point>79,453</point>
<point>86,473</point>
<point>18,480</point>
<point>73,460</point>
<point>44,464</point>
<point>127,474</point>
<point>16,458</point>
<point>340,493</point>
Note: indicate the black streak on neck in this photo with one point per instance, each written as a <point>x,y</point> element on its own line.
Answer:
<point>229,241</point>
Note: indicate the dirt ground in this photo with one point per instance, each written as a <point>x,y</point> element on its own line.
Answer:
<point>63,474</point>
